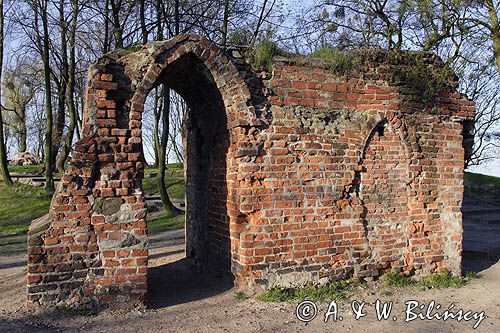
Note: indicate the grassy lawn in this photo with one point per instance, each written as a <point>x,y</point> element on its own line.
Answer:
<point>23,203</point>
<point>164,222</point>
<point>175,187</point>
<point>20,205</point>
<point>478,178</point>
<point>35,169</point>
<point>31,169</point>
<point>170,167</point>
<point>482,187</point>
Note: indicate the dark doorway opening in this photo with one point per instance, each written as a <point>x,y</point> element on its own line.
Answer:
<point>202,267</point>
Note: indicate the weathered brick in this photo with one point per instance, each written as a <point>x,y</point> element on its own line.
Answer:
<point>338,175</point>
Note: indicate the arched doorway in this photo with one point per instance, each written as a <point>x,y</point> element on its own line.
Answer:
<point>206,142</point>
<point>100,208</point>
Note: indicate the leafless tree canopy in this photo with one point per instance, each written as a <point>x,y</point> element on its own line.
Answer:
<point>48,45</point>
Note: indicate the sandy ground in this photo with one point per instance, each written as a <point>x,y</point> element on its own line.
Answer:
<point>182,301</point>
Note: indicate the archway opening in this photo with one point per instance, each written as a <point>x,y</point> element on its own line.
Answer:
<point>205,141</point>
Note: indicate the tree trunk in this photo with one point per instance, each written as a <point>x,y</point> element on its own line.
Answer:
<point>23,134</point>
<point>177,151</point>
<point>105,47</point>
<point>156,137</point>
<point>157,106</point>
<point>117,28</point>
<point>495,30</point>
<point>177,19</point>
<point>159,27</point>
<point>142,15</point>
<point>68,142</point>
<point>225,22</point>
<point>167,203</point>
<point>49,152</point>
<point>61,87</point>
<point>3,149</point>
<point>259,22</point>
<point>79,114</point>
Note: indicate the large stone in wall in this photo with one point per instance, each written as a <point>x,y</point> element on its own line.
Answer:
<point>107,206</point>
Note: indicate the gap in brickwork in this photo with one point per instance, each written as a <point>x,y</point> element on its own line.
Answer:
<point>205,142</point>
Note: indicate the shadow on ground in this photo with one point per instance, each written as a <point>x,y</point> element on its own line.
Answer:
<point>481,232</point>
<point>178,282</point>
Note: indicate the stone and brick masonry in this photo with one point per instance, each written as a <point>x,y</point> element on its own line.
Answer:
<point>293,177</point>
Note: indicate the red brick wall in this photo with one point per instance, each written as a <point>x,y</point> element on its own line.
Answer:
<point>295,185</point>
<point>384,191</point>
<point>308,223</point>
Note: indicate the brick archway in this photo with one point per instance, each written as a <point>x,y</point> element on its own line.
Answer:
<point>94,244</point>
<point>280,154</point>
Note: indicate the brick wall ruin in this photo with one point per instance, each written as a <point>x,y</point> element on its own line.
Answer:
<point>296,176</point>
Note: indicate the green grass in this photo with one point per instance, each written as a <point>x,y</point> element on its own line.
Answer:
<point>263,53</point>
<point>479,178</point>
<point>240,296</point>
<point>436,280</point>
<point>170,167</point>
<point>20,205</point>
<point>440,281</point>
<point>31,169</point>
<point>165,222</point>
<point>82,310</point>
<point>36,169</point>
<point>175,186</point>
<point>396,280</point>
<point>471,275</point>
<point>334,290</point>
<point>13,243</point>
<point>336,60</point>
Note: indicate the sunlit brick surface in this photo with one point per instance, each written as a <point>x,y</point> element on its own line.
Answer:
<point>293,177</point>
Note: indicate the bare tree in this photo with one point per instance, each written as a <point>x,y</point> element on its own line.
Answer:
<point>19,92</point>
<point>465,34</point>
<point>225,22</point>
<point>167,203</point>
<point>490,23</point>
<point>71,87</point>
<point>3,153</point>
<point>40,11</point>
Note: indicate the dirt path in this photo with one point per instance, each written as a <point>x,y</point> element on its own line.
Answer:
<point>181,301</point>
